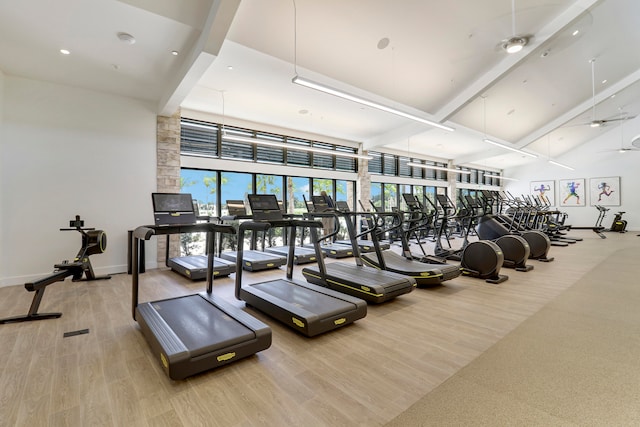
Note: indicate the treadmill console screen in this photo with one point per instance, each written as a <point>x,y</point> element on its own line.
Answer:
<point>173,208</point>
<point>172,202</point>
<point>236,207</point>
<point>319,203</point>
<point>264,206</point>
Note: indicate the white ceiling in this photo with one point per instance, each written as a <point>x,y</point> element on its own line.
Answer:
<point>443,62</point>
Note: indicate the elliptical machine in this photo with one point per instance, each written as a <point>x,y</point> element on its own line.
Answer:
<point>515,248</point>
<point>93,242</point>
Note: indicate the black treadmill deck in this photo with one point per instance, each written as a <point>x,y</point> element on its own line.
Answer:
<point>302,255</point>
<point>194,333</point>
<point>368,283</point>
<point>256,260</point>
<point>195,266</point>
<point>307,308</point>
<point>424,274</point>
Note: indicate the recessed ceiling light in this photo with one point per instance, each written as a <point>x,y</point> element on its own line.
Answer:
<point>126,38</point>
<point>575,33</point>
<point>64,51</point>
<point>174,52</point>
<point>229,67</point>
<point>604,81</point>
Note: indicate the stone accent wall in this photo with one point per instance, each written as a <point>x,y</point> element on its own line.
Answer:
<point>364,184</point>
<point>168,171</point>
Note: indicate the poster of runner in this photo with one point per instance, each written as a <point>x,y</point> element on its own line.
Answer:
<point>605,191</point>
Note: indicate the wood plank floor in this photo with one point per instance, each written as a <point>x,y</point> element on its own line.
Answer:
<point>365,374</point>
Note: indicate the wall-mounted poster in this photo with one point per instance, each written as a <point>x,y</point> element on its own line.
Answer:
<point>605,191</point>
<point>572,192</point>
<point>544,191</point>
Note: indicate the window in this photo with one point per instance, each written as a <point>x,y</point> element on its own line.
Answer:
<point>269,184</point>
<point>235,186</point>
<point>296,157</point>
<point>297,191</point>
<point>375,164</point>
<point>202,185</point>
<point>323,161</point>
<point>207,139</point>
<point>199,138</point>
<point>376,194</point>
<point>390,197</point>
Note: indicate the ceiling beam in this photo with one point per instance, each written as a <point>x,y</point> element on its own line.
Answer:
<point>491,77</point>
<point>580,109</point>
<point>202,54</point>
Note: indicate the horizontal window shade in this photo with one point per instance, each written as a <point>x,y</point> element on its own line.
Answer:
<point>199,138</point>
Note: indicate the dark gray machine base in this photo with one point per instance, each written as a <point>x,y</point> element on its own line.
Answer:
<point>423,273</point>
<point>195,333</point>
<point>336,250</point>
<point>370,284</point>
<point>256,260</point>
<point>302,255</point>
<point>304,307</point>
<point>195,267</point>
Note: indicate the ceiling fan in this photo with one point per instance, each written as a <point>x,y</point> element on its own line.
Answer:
<point>516,42</point>
<point>635,142</point>
<point>596,123</point>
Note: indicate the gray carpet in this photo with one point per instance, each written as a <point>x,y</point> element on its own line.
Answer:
<point>575,362</point>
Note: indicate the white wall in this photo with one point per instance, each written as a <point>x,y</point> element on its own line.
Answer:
<point>69,151</point>
<point>597,158</point>
<point>2,139</point>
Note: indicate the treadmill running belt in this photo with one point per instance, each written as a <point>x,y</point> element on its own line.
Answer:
<point>308,299</point>
<point>202,327</point>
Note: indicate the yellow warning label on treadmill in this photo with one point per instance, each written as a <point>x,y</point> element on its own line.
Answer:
<point>188,272</point>
<point>339,321</point>
<point>299,323</point>
<point>226,356</point>
<point>270,264</point>
<point>365,288</point>
<point>164,360</point>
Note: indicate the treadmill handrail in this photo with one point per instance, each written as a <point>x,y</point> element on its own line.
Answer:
<point>145,232</point>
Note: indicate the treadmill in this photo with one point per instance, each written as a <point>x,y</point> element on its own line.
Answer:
<point>171,208</point>
<point>301,255</point>
<point>363,245</point>
<point>194,333</point>
<point>308,309</point>
<point>332,249</point>
<point>425,274</point>
<point>253,260</point>
<point>371,284</point>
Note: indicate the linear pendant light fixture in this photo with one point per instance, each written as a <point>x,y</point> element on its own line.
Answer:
<point>276,144</point>
<point>506,147</point>
<point>553,162</point>
<point>438,168</point>
<point>504,178</point>
<point>344,95</point>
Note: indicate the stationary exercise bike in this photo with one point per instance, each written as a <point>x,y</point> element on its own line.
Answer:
<point>619,225</point>
<point>93,242</point>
